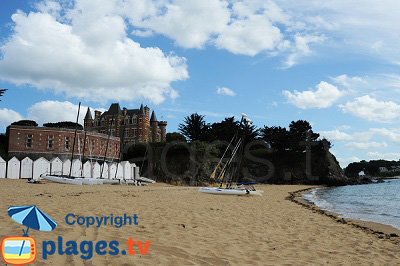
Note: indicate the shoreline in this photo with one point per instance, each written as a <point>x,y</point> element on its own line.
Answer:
<point>381,231</point>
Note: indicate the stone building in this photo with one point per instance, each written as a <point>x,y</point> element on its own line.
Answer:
<point>48,142</point>
<point>131,125</point>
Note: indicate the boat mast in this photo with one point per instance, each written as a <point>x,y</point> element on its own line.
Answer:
<point>240,146</point>
<point>105,153</point>
<point>73,144</point>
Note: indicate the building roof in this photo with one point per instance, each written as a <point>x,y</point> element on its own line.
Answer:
<point>113,110</point>
<point>88,115</point>
<point>133,111</point>
<point>153,117</point>
<point>141,109</point>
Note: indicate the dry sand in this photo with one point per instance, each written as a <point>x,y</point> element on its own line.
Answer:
<point>190,228</point>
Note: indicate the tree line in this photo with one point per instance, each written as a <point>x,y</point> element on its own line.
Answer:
<point>195,128</point>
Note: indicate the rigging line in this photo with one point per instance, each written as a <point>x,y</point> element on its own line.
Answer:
<point>144,158</point>
<point>235,173</point>
<point>108,139</point>
<point>73,145</point>
<point>223,155</point>
<point>229,162</point>
<point>121,139</point>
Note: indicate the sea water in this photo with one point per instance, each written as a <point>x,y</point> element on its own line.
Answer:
<point>378,202</point>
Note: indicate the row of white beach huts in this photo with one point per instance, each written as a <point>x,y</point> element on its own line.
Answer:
<point>27,168</point>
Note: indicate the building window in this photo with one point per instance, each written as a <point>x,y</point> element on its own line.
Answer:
<point>50,142</point>
<point>67,143</point>
<point>29,141</point>
<point>134,120</point>
<point>112,132</point>
<point>134,132</point>
<point>126,120</point>
<point>126,133</point>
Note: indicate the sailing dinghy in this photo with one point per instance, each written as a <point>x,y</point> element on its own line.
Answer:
<point>228,174</point>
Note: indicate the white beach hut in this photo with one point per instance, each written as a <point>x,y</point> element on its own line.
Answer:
<point>3,167</point>
<point>120,171</point>
<point>76,168</point>
<point>112,169</point>
<point>26,168</point>
<point>104,171</point>
<point>96,170</point>
<point>66,166</point>
<point>40,166</point>
<point>13,168</point>
<point>87,169</point>
<point>126,169</point>
<point>56,166</point>
<point>135,171</point>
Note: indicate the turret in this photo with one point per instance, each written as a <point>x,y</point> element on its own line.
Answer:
<point>153,127</point>
<point>88,120</point>
<point>163,130</point>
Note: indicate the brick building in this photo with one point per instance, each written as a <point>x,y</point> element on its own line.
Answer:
<point>131,125</point>
<point>50,142</point>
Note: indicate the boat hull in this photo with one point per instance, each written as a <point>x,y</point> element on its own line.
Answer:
<point>62,180</point>
<point>145,179</point>
<point>90,181</point>
<point>229,191</point>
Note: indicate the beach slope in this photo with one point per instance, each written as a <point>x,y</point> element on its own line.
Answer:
<point>185,227</point>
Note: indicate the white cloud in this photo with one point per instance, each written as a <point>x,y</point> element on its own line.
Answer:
<point>86,53</point>
<point>365,29</point>
<point>344,162</point>
<point>366,145</point>
<point>384,155</point>
<point>325,95</point>
<point>225,91</point>
<point>350,82</point>
<point>240,27</point>
<point>56,111</point>
<point>370,109</point>
<point>7,116</point>
<point>391,134</point>
<point>250,36</point>
<point>336,135</point>
<point>189,23</point>
<point>302,48</point>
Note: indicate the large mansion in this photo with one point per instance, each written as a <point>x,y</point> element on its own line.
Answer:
<point>131,125</point>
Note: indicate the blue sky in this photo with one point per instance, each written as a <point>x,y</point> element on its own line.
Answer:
<point>333,64</point>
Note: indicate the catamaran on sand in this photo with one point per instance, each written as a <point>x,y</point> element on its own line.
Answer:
<point>227,175</point>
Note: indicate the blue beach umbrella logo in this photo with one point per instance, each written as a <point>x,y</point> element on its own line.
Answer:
<point>32,217</point>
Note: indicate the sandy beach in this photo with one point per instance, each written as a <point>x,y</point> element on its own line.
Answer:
<point>185,227</point>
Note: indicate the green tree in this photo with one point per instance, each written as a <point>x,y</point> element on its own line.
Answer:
<point>175,136</point>
<point>27,123</point>
<point>64,124</point>
<point>2,91</point>
<point>249,132</point>
<point>299,133</point>
<point>276,136</point>
<point>194,128</point>
<point>224,130</point>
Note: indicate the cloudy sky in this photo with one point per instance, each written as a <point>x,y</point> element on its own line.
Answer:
<point>333,63</point>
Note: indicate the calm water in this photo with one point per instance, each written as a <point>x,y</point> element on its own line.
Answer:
<point>373,202</point>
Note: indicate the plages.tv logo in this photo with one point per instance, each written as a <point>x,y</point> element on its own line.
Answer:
<point>21,250</point>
